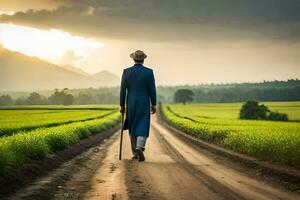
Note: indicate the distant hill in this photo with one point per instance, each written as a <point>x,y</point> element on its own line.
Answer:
<point>106,78</point>
<point>75,69</point>
<point>21,72</point>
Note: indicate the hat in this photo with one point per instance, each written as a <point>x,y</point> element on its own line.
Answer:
<point>138,55</point>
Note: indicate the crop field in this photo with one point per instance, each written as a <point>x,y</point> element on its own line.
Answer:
<point>12,121</point>
<point>218,123</point>
<point>61,107</point>
<point>28,134</point>
<point>231,110</point>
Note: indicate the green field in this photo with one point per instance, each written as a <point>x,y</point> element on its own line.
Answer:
<point>35,131</point>
<point>12,121</point>
<point>59,107</point>
<point>231,110</point>
<point>218,123</point>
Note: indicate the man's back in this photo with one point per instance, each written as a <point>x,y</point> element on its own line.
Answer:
<point>139,94</point>
<point>139,80</point>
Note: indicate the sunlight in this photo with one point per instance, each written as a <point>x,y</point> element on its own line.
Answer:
<point>45,44</point>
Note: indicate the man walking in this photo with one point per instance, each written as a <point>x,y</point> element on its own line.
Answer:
<point>139,92</point>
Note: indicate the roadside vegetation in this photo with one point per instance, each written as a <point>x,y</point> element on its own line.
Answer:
<point>34,134</point>
<point>219,124</point>
<point>12,121</point>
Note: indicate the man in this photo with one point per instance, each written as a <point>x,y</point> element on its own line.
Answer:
<point>138,90</point>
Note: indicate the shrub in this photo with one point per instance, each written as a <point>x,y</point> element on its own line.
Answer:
<point>276,116</point>
<point>252,110</point>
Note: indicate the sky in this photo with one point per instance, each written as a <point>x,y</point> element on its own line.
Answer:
<point>187,41</point>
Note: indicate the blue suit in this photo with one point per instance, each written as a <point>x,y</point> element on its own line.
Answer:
<point>138,91</point>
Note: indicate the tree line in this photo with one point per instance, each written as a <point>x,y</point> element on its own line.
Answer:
<point>61,97</point>
<point>237,92</point>
<point>238,95</point>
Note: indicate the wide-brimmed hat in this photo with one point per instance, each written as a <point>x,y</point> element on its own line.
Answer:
<point>138,55</point>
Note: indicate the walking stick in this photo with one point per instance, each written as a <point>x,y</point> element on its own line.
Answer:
<point>121,139</point>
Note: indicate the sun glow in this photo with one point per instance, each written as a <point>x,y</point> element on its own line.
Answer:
<point>49,45</point>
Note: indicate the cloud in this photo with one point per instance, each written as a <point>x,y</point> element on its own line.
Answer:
<point>69,58</point>
<point>11,6</point>
<point>170,20</point>
<point>199,40</point>
<point>90,63</point>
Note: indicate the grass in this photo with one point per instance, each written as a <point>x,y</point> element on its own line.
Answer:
<point>33,132</point>
<point>218,123</point>
<point>231,110</point>
<point>20,148</point>
<point>13,121</point>
<point>62,107</point>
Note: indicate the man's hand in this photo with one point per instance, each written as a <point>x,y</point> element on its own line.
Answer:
<point>122,110</point>
<point>153,109</point>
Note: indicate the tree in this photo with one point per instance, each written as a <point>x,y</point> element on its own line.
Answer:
<point>36,99</point>
<point>276,116</point>
<point>106,98</point>
<point>252,110</point>
<point>61,97</point>
<point>68,99</point>
<point>21,101</point>
<point>5,100</point>
<point>183,96</point>
<point>84,98</point>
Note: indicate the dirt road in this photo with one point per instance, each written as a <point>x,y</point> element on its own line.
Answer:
<point>173,170</point>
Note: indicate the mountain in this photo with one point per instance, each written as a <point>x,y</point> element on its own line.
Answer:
<point>103,77</point>
<point>106,78</point>
<point>21,72</point>
<point>75,69</point>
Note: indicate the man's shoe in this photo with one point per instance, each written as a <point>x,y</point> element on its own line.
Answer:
<point>134,157</point>
<point>141,154</point>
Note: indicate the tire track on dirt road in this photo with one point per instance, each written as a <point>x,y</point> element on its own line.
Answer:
<point>176,170</point>
<point>173,169</point>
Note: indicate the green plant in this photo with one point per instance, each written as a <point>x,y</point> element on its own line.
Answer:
<point>276,116</point>
<point>22,147</point>
<point>183,96</point>
<point>268,140</point>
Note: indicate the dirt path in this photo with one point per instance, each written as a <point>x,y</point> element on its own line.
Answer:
<point>173,170</point>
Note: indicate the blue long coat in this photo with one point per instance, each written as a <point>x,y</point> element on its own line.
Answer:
<point>138,91</point>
